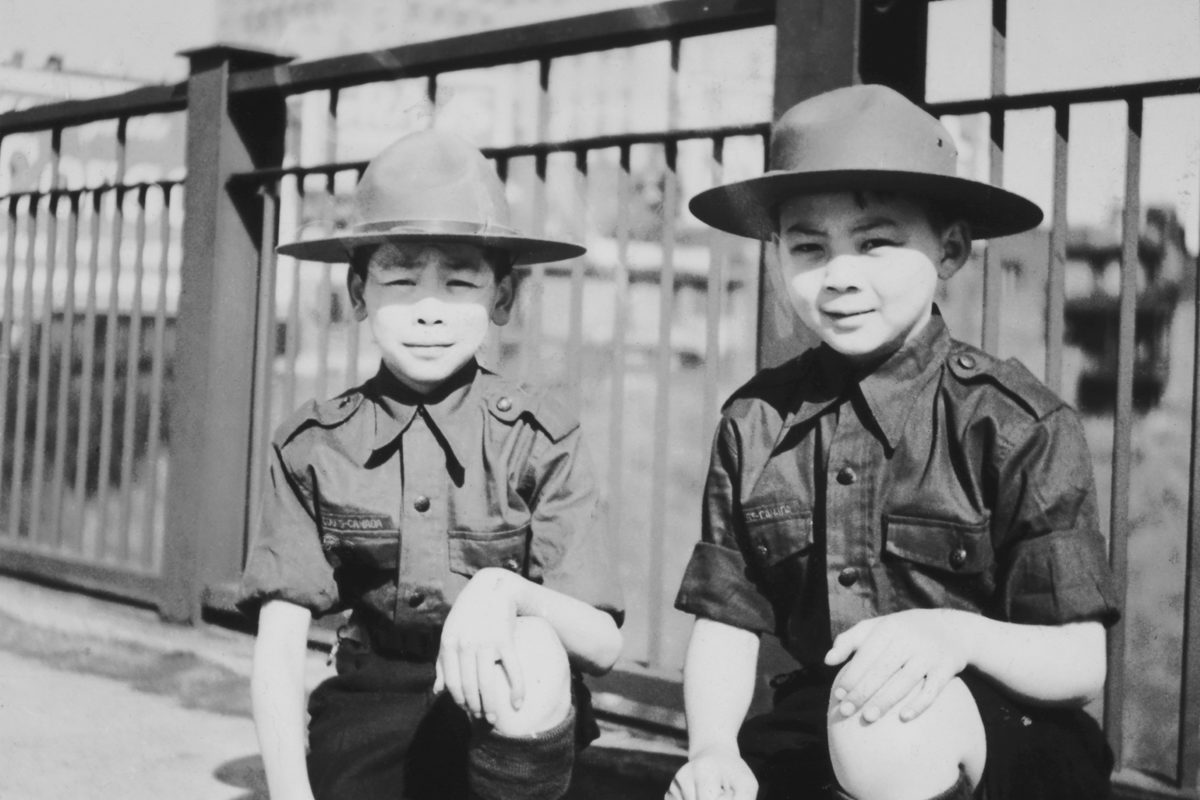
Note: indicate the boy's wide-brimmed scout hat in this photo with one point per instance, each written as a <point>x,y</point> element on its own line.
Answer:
<point>431,186</point>
<point>862,138</point>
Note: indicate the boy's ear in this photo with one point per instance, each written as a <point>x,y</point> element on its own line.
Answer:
<point>506,292</point>
<point>956,249</point>
<point>355,285</point>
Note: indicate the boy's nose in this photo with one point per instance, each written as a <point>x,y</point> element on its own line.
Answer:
<point>429,311</point>
<point>842,274</point>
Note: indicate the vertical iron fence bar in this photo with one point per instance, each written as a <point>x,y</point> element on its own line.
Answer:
<point>112,327</point>
<point>66,356</point>
<point>1187,772</point>
<point>353,329</point>
<point>133,357</point>
<point>660,488</point>
<point>1114,694</point>
<point>324,300</point>
<point>264,352</point>
<point>431,93</point>
<point>1056,276</point>
<point>87,348</point>
<point>578,269</point>
<point>41,414</point>
<point>6,324</point>
<point>715,299</point>
<point>158,358</point>
<point>17,500</point>
<point>292,344</point>
<point>620,279</point>
<point>992,276</point>
<point>532,327</point>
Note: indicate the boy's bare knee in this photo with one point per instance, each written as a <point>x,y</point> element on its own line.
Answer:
<point>890,759</point>
<point>547,678</point>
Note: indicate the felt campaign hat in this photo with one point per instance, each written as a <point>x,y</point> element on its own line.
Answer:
<point>864,137</point>
<point>430,186</point>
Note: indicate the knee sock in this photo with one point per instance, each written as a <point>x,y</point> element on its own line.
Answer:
<point>523,767</point>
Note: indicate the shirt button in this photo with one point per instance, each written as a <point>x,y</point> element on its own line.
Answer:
<point>504,404</point>
<point>763,550</point>
<point>966,361</point>
<point>846,476</point>
<point>511,564</point>
<point>958,557</point>
<point>848,576</point>
<point>415,599</point>
<point>421,503</point>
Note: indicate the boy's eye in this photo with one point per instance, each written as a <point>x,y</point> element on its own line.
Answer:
<point>400,282</point>
<point>877,242</point>
<point>459,284</point>
<point>804,248</point>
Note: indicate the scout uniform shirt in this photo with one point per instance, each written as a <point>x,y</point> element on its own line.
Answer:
<point>942,479</point>
<point>387,502</point>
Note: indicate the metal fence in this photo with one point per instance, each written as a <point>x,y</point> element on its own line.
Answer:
<point>109,347</point>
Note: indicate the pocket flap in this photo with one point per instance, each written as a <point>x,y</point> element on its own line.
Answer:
<point>774,538</point>
<point>958,547</point>
<point>472,550</point>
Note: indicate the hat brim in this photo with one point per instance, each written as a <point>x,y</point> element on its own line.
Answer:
<point>749,207</point>
<point>524,249</point>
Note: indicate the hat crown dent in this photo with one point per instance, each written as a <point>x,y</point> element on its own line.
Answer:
<point>865,127</point>
<point>431,176</point>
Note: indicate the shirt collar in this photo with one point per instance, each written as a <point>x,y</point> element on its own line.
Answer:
<point>890,389</point>
<point>396,405</point>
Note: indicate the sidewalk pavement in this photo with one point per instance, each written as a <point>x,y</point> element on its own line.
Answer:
<point>101,700</point>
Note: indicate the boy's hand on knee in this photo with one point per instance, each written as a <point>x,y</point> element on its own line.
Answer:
<point>716,773</point>
<point>910,654</point>
<point>478,652</point>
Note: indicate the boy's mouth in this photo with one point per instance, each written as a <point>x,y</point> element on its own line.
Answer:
<point>842,315</point>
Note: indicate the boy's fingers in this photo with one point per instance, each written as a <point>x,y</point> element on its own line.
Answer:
<point>516,676</point>
<point>450,674</point>
<point>863,681</point>
<point>846,643</point>
<point>900,685</point>
<point>491,684</point>
<point>935,681</point>
<point>439,682</point>
<point>469,676</point>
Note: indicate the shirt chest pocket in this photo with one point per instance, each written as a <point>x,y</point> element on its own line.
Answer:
<point>944,546</point>
<point>471,550</point>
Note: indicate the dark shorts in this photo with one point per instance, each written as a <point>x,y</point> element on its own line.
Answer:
<point>376,732</point>
<point>1032,753</point>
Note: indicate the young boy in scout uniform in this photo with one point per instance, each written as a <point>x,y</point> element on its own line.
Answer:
<point>451,510</point>
<point>914,519</point>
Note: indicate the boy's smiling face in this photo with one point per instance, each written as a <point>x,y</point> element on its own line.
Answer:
<point>428,306</point>
<point>861,268</point>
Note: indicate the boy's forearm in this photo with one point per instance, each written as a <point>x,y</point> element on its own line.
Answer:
<point>277,695</point>
<point>1050,664</point>
<point>590,636</point>
<point>718,684</point>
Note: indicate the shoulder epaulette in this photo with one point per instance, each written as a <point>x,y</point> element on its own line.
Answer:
<point>509,401</point>
<point>970,364</point>
<point>325,413</point>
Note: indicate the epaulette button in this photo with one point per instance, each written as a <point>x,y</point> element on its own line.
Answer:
<point>966,361</point>
<point>504,404</point>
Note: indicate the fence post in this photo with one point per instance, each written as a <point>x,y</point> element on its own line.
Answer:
<point>211,396</point>
<point>822,45</point>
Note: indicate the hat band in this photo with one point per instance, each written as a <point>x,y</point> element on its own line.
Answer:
<point>434,227</point>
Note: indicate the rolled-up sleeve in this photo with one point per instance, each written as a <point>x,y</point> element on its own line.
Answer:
<point>285,560</point>
<point>1053,567</point>
<point>716,584</point>
<point>571,547</point>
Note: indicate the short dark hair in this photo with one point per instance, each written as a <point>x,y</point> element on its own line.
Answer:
<point>939,217</point>
<point>501,261</point>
